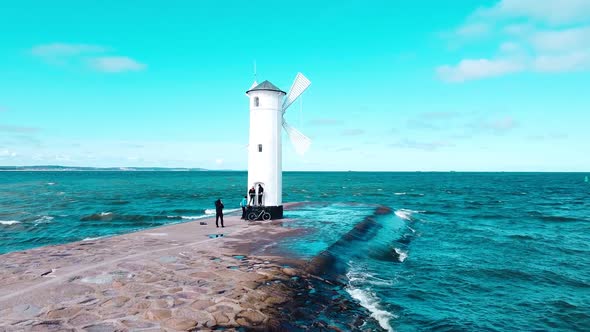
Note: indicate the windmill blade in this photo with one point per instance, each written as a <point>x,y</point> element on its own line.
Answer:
<point>299,85</point>
<point>300,142</point>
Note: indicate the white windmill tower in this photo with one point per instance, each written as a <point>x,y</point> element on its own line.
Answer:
<point>267,110</point>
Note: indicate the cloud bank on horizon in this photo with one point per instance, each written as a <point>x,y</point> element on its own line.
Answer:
<point>487,85</point>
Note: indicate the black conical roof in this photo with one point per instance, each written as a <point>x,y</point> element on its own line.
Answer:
<point>267,86</point>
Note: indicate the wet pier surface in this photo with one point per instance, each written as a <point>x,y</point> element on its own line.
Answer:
<point>179,277</point>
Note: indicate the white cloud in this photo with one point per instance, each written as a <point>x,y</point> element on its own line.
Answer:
<point>439,115</point>
<point>352,132</point>
<point>472,30</point>
<point>116,64</point>
<point>563,62</point>
<point>498,126</point>
<point>426,146</point>
<point>527,44</point>
<point>519,29</point>
<point>65,49</point>
<point>325,122</point>
<point>93,55</point>
<point>7,153</point>
<point>511,47</point>
<point>18,129</point>
<point>548,136</point>
<point>494,126</point>
<point>562,40</point>
<point>472,69</point>
<point>548,11</point>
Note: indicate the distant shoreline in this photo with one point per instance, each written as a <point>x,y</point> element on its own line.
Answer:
<point>180,169</point>
<point>96,169</point>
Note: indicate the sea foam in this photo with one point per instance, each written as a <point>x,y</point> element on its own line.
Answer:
<point>9,222</point>
<point>190,217</point>
<point>405,214</point>
<point>370,302</point>
<point>42,220</point>
<point>401,255</point>
<point>212,211</point>
<point>93,238</point>
<point>358,280</point>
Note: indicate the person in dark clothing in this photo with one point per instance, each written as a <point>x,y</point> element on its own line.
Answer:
<point>260,191</point>
<point>218,212</point>
<point>252,193</point>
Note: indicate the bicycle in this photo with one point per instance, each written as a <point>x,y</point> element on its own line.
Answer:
<point>256,215</point>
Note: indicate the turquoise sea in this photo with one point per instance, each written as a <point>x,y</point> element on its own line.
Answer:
<point>446,252</point>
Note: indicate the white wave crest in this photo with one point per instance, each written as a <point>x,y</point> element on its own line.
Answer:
<point>212,211</point>
<point>104,214</point>
<point>191,217</point>
<point>399,194</point>
<point>370,302</point>
<point>406,214</point>
<point>9,222</point>
<point>93,238</point>
<point>42,220</point>
<point>364,278</point>
<point>402,255</point>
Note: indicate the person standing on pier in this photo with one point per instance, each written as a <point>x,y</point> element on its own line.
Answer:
<point>243,204</point>
<point>260,192</point>
<point>252,193</point>
<point>218,212</point>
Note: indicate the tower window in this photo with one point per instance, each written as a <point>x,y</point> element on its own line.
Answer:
<point>256,102</point>
<point>259,147</point>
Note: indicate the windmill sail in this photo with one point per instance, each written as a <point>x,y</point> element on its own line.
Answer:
<point>300,142</point>
<point>299,85</point>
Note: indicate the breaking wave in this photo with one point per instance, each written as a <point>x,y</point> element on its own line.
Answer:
<point>406,214</point>
<point>400,254</point>
<point>108,216</point>
<point>358,280</point>
<point>93,238</point>
<point>42,220</point>
<point>9,222</point>
<point>212,211</point>
<point>368,299</point>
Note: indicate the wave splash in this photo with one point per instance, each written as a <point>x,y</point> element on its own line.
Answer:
<point>108,216</point>
<point>42,220</point>
<point>368,299</point>
<point>406,214</point>
<point>401,255</point>
<point>212,211</point>
<point>9,222</point>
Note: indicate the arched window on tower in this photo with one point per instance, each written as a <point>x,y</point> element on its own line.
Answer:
<point>256,102</point>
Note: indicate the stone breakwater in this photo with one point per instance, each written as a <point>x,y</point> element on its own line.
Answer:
<point>183,277</point>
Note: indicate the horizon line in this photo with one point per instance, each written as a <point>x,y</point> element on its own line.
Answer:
<point>176,169</point>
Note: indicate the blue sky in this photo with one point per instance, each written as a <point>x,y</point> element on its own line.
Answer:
<point>396,85</point>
